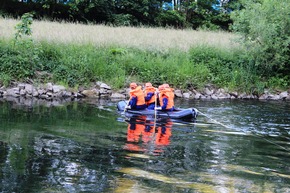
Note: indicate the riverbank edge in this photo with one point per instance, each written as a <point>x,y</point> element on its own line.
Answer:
<point>99,90</point>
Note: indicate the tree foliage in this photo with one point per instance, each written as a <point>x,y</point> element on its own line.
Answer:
<point>209,14</point>
<point>143,11</point>
<point>265,26</point>
<point>24,27</point>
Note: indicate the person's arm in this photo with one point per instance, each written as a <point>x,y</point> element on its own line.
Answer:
<point>149,96</point>
<point>165,102</point>
<point>133,102</point>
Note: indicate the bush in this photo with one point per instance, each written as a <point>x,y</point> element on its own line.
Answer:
<point>265,28</point>
<point>20,60</point>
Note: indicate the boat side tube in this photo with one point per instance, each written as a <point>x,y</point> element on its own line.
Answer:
<point>188,113</point>
<point>121,105</point>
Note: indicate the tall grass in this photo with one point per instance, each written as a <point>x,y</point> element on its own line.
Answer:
<point>160,39</point>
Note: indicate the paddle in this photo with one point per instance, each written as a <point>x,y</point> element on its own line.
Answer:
<point>155,111</point>
<point>155,117</point>
<point>125,108</point>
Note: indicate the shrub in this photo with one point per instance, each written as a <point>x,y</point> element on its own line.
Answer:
<point>265,28</point>
<point>20,60</point>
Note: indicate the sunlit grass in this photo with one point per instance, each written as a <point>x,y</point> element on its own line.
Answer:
<point>100,35</point>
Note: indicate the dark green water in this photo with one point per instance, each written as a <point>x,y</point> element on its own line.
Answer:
<point>235,146</point>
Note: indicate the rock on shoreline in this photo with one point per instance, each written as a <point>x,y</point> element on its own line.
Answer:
<point>100,90</point>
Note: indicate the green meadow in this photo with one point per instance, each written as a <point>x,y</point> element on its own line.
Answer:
<point>76,55</point>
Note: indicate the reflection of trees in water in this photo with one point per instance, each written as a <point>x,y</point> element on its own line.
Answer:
<point>186,156</point>
<point>8,177</point>
<point>70,166</point>
<point>31,162</point>
<point>57,164</point>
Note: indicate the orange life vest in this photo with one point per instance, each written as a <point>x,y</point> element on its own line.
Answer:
<point>167,93</point>
<point>172,92</point>
<point>148,90</point>
<point>137,92</point>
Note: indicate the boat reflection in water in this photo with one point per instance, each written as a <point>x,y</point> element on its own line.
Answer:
<point>145,135</point>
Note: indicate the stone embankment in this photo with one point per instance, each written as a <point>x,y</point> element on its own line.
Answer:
<point>101,90</point>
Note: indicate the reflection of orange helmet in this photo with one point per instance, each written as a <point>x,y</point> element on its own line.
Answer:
<point>161,87</point>
<point>133,147</point>
<point>133,85</point>
<point>148,84</point>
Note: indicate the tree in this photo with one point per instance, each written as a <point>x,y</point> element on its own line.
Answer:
<point>265,27</point>
<point>204,14</point>
<point>141,11</point>
<point>97,11</point>
<point>209,14</point>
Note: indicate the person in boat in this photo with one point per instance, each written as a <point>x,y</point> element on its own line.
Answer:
<point>137,98</point>
<point>166,99</point>
<point>150,96</point>
<point>166,86</point>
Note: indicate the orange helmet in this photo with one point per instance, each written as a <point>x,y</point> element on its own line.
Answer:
<point>148,84</point>
<point>161,87</point>
<point>133,85</point>
<point>166,85</point>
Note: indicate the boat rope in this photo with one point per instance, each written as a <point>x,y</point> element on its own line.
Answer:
<point>255,134</point>
<point>213,120</point>
<point>261,136</point>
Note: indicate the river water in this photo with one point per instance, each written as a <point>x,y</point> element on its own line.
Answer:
<point>234,146</point>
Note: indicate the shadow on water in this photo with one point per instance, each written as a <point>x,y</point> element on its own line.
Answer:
<point>88,147</point>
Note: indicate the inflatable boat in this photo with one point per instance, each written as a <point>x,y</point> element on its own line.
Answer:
<point>179,114</point>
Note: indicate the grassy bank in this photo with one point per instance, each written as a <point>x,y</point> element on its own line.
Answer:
<point>74,54</point>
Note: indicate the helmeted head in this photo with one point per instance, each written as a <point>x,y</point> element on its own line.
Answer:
<point>166,85</point>
<point>133,85</point>
<point>148,84</point>
<point>161,87</point>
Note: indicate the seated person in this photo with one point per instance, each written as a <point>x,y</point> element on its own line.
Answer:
<point>137,98</point>
<point>166,86</point>
<point>150,96</point>
<point>166,99</point>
